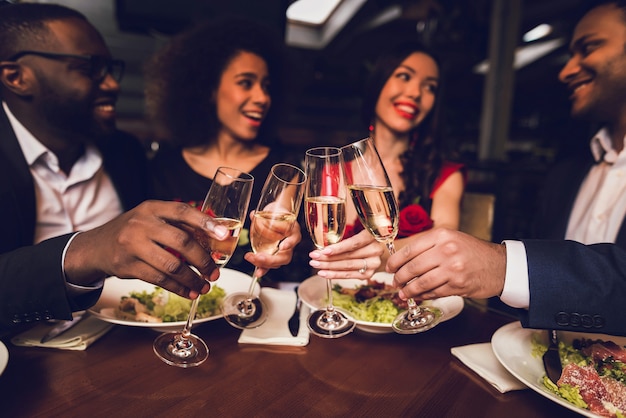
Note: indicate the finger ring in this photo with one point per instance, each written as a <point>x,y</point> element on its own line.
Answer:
<point>363,269</point>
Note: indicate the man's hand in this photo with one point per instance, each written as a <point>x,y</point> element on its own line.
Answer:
<point>136,243</point>
<point>444,262</point>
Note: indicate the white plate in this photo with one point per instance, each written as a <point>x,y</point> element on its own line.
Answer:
<point>232,281</point>
<point>4,357</point>
<point>312,291</point>
<point>512,346</point>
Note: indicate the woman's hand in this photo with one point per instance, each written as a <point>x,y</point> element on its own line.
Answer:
<point>263,262</point>
<point>357,257</point>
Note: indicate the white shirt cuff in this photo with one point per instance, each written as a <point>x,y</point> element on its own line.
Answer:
<point>516,291</point>
<point>74,289</point>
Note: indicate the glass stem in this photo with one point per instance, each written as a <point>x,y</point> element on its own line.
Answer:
<point>390,247</point>
<point>413,309</point>
<point>192,314</point>
<point>255,279</point>
<point>329,292</point>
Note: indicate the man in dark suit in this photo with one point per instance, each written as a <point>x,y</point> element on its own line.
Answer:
<point>560,284</point>
<point>570,286</point>
<point>64,168</point>
<point>584,197</point>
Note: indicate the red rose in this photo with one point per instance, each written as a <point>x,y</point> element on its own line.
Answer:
<point>353,229</point>
<point>413,219</point>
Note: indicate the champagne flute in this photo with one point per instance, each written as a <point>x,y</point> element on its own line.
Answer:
<point>325,206</point>
<point>376,206</point>
<point>227,202</point>
<point>272,222</point>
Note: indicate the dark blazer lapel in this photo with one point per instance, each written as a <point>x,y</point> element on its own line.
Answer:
<point>621,236</point>
<point>558,196</point>
<point>17,191</point>
<point>126,164</point>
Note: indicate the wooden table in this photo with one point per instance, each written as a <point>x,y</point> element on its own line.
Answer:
<point>364,375</point>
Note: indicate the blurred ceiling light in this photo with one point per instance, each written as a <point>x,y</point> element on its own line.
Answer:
<point>538,32</point>
<point>526,54</point>
<point>314,23</point>
<point>387,15</point>
<point>312,12</point>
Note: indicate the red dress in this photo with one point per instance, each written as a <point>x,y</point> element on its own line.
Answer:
<point>413,217</point>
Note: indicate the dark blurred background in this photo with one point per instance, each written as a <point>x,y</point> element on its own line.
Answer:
<point>506,114</point>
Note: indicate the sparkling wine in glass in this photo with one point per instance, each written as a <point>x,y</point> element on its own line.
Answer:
<point>325,215</point>
<point>272,222</point>
<point>377,209</point>
<point>227,202</point>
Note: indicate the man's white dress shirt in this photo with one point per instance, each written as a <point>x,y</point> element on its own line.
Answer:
<point>596,217</point>
<point>82,200</point>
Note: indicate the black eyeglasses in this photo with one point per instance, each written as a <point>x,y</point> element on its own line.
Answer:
<point>99,66</point>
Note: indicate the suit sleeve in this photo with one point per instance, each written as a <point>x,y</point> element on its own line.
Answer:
<point>576,287</point>
<point>32,286</point>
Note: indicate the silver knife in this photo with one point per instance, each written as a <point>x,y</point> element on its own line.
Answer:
<point>62,327</point>
<point>294,321</point>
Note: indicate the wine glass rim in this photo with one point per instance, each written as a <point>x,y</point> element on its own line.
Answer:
<point>367,139</point>
<point>275,166</point>
<point>234,173</point>
<point>323,151</point>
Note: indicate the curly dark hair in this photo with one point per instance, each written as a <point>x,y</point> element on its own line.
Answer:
<point>181,78</point>
<point>422,161</point>
<point>23,24</point>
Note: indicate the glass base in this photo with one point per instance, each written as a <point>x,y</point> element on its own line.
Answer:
<point>177,351</point>
<point>243,312</point>
<point>425,319</point>
<point>330,324</point>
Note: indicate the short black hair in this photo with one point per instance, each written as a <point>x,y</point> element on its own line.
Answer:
<point>589,5</point>
<point>181,78</point>
<point>22,23</point>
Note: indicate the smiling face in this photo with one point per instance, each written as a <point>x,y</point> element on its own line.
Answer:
<point>595,74</point>
<point>66,97</point>
<point>243,98</point>
<point>409,94</point>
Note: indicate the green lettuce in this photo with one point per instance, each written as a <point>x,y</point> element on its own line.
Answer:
<point>173,308</point>
<point>371,310</point>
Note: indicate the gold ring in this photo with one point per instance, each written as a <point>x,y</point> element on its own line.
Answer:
<point>363,269</point>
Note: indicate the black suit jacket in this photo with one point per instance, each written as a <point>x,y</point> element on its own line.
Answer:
<point>573,286</point>
<point>32,286</point>
<point>576,287</point>
<point>558,196</point>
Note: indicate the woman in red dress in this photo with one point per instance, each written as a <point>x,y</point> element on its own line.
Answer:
<point>401,107</point>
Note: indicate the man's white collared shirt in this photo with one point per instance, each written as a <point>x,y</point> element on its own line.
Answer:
<point>596,217</point>
<point>600,205</point>
<point>82,200</point>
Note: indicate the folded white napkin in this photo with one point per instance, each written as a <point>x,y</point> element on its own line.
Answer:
<point>281,305</point>
<point>480,358</point>
<point>79,337</point>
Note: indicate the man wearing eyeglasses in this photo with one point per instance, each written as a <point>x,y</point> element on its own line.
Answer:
<point>65,168</point>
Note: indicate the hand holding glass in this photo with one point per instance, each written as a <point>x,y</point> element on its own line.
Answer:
<point>273,220</point>
<point>376,206</point>
<point>325,206</point>
<point>226,201</point>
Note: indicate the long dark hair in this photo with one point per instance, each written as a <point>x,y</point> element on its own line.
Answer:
<point>423,159</point>
<point>181,78</point>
